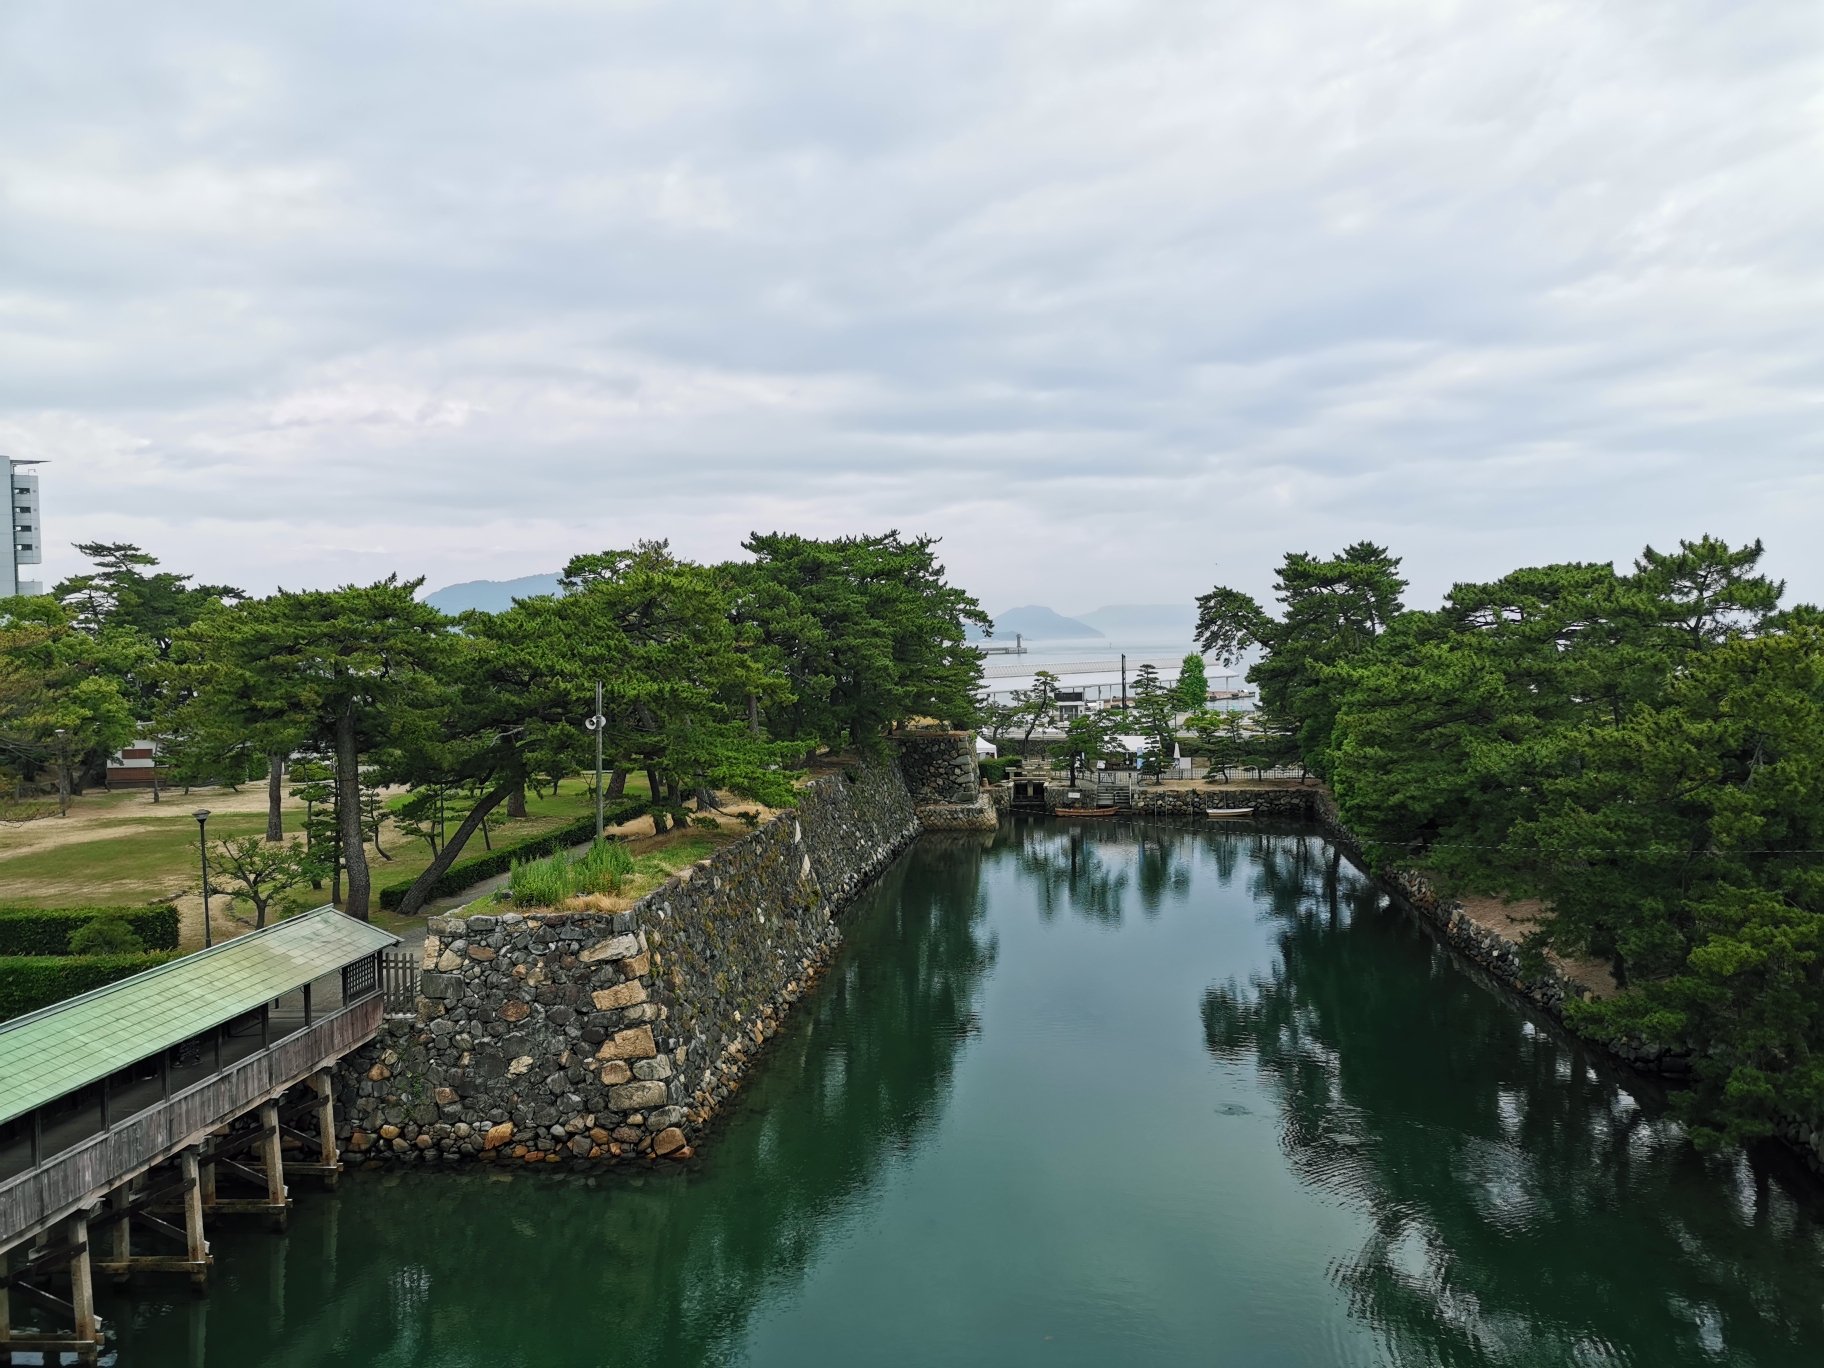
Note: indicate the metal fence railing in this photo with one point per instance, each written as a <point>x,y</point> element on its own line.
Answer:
<point>399,979</point>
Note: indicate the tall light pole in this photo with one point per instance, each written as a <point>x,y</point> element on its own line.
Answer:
<point>63,773</point>
<point>598,724</point>
<point>202,845</point>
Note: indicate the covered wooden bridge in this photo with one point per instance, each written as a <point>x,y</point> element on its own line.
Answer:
<point>131,1113</point>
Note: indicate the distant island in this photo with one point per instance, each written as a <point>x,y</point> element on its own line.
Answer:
<point>490,596</point>
<point>1131,621</point>
<point>1040,623</point>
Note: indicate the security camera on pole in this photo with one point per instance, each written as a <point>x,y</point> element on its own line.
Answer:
<point>598,724</point>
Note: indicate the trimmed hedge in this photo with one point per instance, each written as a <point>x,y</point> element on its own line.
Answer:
<point>466,873</point>
<point>30,982</point>
<point>47,930</point>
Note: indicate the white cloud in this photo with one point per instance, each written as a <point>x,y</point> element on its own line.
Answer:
<point>1109,295</point>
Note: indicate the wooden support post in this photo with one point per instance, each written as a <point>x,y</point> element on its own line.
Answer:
<point>206,1185</point>
<point>6,1309</point>
<point>323,1084</point>
<point>274,1157</point>
<point>198,1246</point>
<point>82,1291</point>
<point>123,1234</point>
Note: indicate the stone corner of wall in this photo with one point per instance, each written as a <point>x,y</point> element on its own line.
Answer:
<point>614,1037</point>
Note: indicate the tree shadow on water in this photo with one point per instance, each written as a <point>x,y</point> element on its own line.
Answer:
<point>499,1270</point>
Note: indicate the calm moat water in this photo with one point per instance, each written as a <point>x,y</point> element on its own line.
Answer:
<point>1111,1096</point>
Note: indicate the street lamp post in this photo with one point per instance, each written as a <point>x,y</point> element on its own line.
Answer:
<point>202,845</point>
<point>598,724</point>
<point>63,773</point>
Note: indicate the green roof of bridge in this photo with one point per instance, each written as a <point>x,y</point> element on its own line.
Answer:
<point>69,1045</point>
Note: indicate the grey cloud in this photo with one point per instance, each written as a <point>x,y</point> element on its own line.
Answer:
<point>1116,298</point>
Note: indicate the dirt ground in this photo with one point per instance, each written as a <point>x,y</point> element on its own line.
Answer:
<point>1517,919</point>
<point>99,814</point>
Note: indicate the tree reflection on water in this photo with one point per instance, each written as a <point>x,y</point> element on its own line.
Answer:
<point>1526,1209</point>
<point>495,1268</point>
<point>1089,870</point>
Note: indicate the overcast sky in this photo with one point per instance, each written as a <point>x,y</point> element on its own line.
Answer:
<point>1118,299</point>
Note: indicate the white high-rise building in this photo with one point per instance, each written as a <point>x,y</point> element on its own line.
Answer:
<point>27,540</point>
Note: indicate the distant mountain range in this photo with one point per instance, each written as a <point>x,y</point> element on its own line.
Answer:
<point>490,596</point>
<point>1130,621</point>
<point>1041,623</point>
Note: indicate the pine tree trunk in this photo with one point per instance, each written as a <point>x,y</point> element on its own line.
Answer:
<point>275,789</point>
<point>348,786</point>
<point>516,801</point>
<point>420,891</point>
<point>660,823</point>
<point>617,785</point>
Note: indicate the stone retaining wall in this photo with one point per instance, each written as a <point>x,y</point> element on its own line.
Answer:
<point>615,1037</point>
<point>945,781</point>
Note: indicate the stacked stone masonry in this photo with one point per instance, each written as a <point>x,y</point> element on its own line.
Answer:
<point>589,1037</point>
<point>945,780</point>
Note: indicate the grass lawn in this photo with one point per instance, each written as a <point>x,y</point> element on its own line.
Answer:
<point>124,848</point>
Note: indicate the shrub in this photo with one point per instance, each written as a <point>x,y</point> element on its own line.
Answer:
<point>47,930</point>
<point>603,868</point>
<point>105,936</point>
<point>30,982</point>
<point>466,873</point>
<point>707,822</point>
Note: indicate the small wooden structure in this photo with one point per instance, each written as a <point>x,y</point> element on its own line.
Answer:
<point>132,1103</point>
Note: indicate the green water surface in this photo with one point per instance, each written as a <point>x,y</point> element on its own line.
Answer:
<point>1130,1095</point>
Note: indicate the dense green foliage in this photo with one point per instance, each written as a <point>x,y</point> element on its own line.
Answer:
<point>88,659</point>
<point>28,983</point>
<point>714,678</point>
<point>106,936</point>
<point>863,631</point>
<point>1642,751</point>
<point>47,930</point>
<point>1193,687</point>
<point>997,768</point>
<point>1088,737</point>
<point>1334,610</point>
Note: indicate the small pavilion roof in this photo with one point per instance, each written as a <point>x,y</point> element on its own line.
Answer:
<point>69,1045</point>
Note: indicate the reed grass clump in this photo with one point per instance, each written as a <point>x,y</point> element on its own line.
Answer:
<point>603,868</point>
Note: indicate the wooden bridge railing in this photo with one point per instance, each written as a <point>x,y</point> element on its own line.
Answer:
<point>399,979</point>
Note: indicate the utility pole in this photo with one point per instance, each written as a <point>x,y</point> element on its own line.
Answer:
<point>1124,683</point>
<point>598,724</point>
